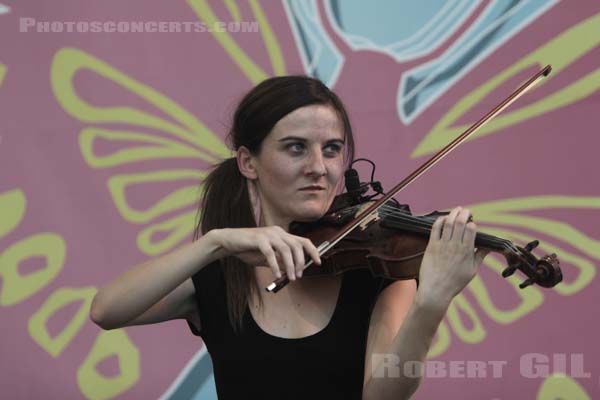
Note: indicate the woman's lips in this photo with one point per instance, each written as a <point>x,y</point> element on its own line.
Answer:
<point>312,188</point>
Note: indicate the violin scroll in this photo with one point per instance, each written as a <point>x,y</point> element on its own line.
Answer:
<point>544,271</point>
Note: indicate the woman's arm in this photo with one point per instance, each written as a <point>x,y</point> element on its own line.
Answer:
<point>403,332</point>
<point>390,312</point>
<point>161,289</point>
<point>386,361</point>
<point>154,291</point>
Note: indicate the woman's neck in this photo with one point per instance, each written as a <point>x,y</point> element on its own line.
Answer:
<point>267,219</point>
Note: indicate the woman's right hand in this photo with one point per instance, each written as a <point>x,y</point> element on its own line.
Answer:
<point>271,246</point>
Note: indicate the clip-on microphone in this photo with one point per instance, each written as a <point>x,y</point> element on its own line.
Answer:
<point>354,188</point>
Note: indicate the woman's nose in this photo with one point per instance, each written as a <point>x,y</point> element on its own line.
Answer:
<point>316,164</point>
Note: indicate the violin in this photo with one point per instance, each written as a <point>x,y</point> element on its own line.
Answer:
<point>385,237</point>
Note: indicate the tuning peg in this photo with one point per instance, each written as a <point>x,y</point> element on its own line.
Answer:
<point>509,271</point>
<point>527,282</point>
<point>532,245</point>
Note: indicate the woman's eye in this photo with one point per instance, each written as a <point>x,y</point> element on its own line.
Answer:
<point>296,147</point>
<point>333,149</point>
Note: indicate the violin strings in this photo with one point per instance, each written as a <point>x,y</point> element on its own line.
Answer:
<point>423,225</point>
<point>427,224</point>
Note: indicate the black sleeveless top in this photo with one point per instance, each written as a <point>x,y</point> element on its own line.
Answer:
<point>256,365</point>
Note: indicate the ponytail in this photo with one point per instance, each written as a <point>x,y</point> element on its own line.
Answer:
<point>226,204</point>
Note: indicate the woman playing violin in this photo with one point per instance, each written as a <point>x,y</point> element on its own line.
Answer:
<point>321,336</point>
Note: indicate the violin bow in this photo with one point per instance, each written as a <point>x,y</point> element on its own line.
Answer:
<point>369,214</point>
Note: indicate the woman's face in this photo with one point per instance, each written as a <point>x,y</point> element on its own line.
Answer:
<point>300,165</point>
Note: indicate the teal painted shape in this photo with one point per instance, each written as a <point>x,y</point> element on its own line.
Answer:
<point>197,383</point>
<point>320,57</point>
<point>404,30</point>
<point>500,21</point>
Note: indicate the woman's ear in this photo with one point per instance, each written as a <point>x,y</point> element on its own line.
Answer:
<point>246,163</point>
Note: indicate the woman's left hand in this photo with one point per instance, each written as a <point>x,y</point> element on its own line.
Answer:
<point>450,260</point>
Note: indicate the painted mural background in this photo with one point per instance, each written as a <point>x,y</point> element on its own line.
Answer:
<point>104,137</point>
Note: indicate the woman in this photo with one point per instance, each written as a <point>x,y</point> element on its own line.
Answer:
<point>340,337</point>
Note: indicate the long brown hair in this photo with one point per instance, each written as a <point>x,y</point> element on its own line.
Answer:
<point>225,202</point>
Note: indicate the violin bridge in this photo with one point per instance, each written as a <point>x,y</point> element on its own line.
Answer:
<point>371,218</point>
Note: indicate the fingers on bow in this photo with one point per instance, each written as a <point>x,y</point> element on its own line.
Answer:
<point>288,252</point>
